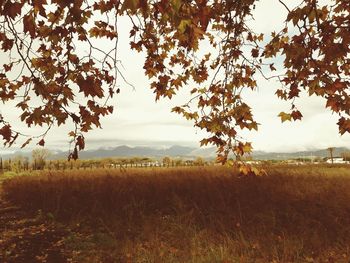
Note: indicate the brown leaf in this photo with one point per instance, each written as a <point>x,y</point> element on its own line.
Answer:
<point>41,142</point>
<point>29,25</point>
<point>255,53</point>
<point>80,142</point>
<point>130,5</point>
<point>296,115</point>
<point>90,86</point>
<point>12,9</point>
<point>7,44</point>
<point>344,125</point>
<point>6,132</point>
<point>39,5</point>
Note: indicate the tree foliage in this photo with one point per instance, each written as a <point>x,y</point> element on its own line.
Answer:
<point>55,82</point>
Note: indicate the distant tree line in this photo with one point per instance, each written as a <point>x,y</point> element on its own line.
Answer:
<point>40,161</point>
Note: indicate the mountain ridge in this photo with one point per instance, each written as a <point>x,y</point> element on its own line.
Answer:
<point>178,151</point>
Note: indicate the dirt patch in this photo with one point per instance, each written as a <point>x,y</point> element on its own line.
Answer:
<point>27,238</point>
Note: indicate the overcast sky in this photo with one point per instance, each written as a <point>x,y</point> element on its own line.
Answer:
<point>138,120</point>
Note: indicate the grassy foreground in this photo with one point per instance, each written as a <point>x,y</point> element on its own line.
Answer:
<point>296,214</point>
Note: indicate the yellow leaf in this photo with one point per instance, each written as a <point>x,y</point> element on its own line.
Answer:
<point>176,4</point>
<point>285,116</point>
<point>247,148</point>
<point>183,24</point>
<point>230,163</point>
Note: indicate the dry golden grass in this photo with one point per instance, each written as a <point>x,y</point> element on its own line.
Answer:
<point>204,214</point>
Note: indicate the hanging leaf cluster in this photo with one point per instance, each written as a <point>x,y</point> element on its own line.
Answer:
<point>63,76</point>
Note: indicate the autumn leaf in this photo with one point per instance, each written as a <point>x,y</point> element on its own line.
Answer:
<point>296,115</point>
<point>285,116</point>
<point>221,159</point>
<point>247,147</point>
<point>344,125</point>
<point>41,142</point>
<point>7,44</point>
<point>255,52</point>
<point>333,103</point>
<point>244,170</point>
<point>12,9</point>
<point>249,170</point>
<point>110,109</point>
<point>183,25</point>
<point>80,142</point>
<point>130,5</point>
<point>39,7</point>
<point>6,132</point>
<point>29,25</point>
<point>205,17</point>
<point>90,86</point>
<point>8,67</point>
<point>281,94</point>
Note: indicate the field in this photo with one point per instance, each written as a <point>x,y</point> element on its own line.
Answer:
<point>198,214</point>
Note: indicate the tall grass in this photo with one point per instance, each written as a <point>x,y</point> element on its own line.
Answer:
<point>199,214</point>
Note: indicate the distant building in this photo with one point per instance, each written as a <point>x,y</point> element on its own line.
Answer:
<point>253,162</point>
<point>337,160</point>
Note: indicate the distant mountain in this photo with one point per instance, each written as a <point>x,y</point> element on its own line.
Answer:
<point>205,152</point>
<point>24,154</point>
<point>177,151</point>
<point>261,155</point>
<point>126,151</point>
<point>55,154</point>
